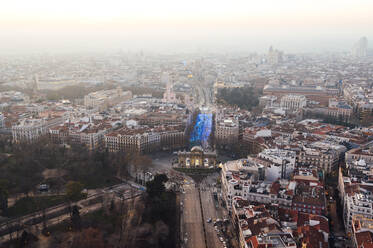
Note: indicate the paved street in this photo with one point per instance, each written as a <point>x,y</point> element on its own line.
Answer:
<point>209,211</point>
<point>192,218</point>
<point>194,221</point>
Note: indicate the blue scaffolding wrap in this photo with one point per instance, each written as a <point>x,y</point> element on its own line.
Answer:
<point>202,130</point>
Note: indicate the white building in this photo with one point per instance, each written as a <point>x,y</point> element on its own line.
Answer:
<point>356,192</point>
<point>357,204</point>
<point>293,102</point>
<point>283,163</point>
<point>245,178</point>
<point>30,130</point>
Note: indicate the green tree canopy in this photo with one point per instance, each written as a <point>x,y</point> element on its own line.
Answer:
<point>245,97</point>
<point>74,190</point>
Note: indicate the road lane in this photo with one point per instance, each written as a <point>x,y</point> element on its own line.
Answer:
<point>209,211</point>
<point>192,217</point>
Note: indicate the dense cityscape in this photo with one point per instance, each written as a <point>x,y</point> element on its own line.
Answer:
<point>146,150</point>
<point>194,124</point>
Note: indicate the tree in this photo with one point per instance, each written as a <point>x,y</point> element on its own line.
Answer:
<point>75,217</point>
<point>245,97</point>
<point>3,196</point>
<point>74,190</point>
<point>156,187</point>
<point>89,238</point>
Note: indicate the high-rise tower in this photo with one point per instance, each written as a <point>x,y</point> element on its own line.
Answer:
<point>360,48</point>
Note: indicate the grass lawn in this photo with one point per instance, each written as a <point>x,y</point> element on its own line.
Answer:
<point>28,205</point>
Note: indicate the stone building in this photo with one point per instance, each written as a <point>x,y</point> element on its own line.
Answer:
<point>293,102</point>
<point>226,132</point>
<point>196,158</point>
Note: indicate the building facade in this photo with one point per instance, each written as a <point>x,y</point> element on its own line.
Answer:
<point>293,102</point>
<point>226,132</point>
<point>106,98</point>
<point>132,140</point>
<point>196,158</point>
<point>30,130</point>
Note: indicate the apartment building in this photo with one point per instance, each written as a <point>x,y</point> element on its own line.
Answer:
<point>293,102</point>
<point>362,153</point>
<point>172,137</point>
<point>265,225</point>
<point>226,132</point>
<point>248,179</point>
<point>322,157</point>
<point>89,134</point>
<point>245,178</point>
<point>362,231</point>
<point>160,118</point>
<point>140,140</point>
<point>31,129</point>
<point>339,108</point>
<point>356,192</point>
<point>282,163</point>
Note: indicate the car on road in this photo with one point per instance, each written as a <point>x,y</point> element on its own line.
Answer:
<point>209,220</point>
<point>43,187</point>
<point>339,244</point>
<point>221,239</point>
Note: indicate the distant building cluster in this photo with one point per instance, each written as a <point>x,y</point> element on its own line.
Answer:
<point>274,56</point>
<point>109,119</point>
<point>313,124</point>
<point>103,99</point>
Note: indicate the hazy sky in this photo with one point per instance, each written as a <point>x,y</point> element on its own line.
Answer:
<point>290,25</point>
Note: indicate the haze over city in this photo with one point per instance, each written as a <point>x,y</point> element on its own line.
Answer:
<point>165,25</point>
<point>186,124</point>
